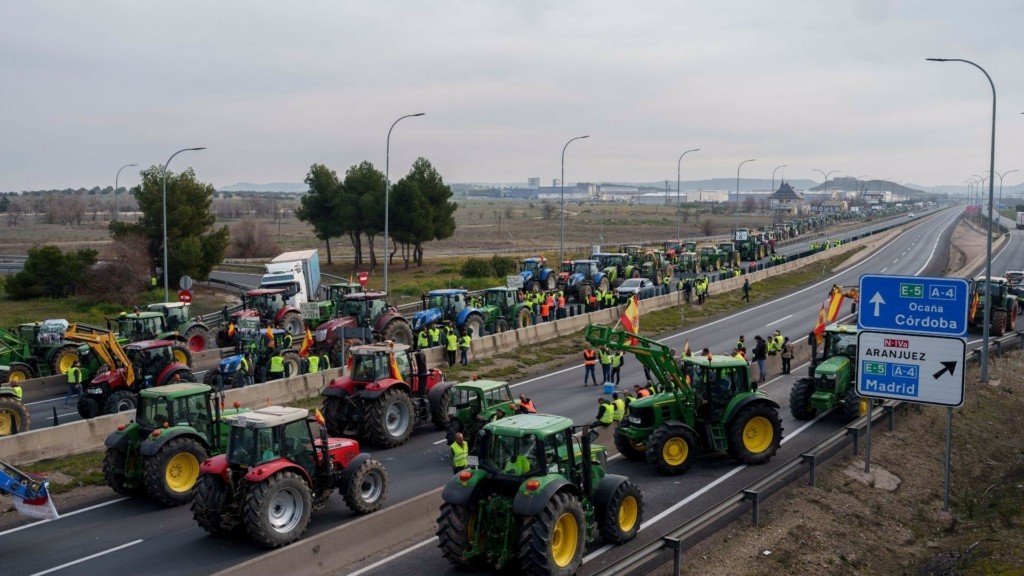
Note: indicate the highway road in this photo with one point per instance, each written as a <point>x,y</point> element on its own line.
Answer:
<point>119,533</point>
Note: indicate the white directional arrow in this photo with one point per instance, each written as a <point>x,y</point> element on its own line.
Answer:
<point>876,300</point>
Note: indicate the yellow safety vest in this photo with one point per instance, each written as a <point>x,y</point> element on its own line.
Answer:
<point>435,335</point>
<point>606,358</point>
<point>17,390</point>
<point>617,360</point>
<point>465,342</point>
<point>620,409</point>
<point>74,375</point>
<point>245,365</point>
<point>607,413</point>
<point>460,454</point>
<point>422,341</point>
<point>327,362</point>
<point>453,343</point>
<point>314,364</point>
<point>276,364</point>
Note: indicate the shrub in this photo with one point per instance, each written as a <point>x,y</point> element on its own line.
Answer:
<point>476,268</point>
<point>503,266</point>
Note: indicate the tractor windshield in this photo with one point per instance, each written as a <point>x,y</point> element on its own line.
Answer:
<point>581,268</point>
<point>250,446</point>
<point>495,298</point>
<point>353,308</point>
<point>512,456</point>
<point>373,367</point>
<point>840,343</point>
<point>531,266</point>
<point>154,412</point>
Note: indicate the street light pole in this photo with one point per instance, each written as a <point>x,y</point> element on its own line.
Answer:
<point>773,176</point>
<point>117,204</point>
<point>163,177</point>
<point>387,191</point>
<point>988,243</point>
<point>678,164</point>
<point>737,225</point>
<point>826,177</point>
<point>561,206</point>
<point>1001,183</point>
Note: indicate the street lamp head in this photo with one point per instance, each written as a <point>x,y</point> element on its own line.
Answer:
<point>937,59</point>
<point>419,114</point>
<point>199,148</point>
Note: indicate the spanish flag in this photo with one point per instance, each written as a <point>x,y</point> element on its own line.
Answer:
<point>395,372</point>
<point>974,306</point>
<point>319,417</point>
<point>307,342</point>
<point>631,318</point>
<point>835,303</point>
<point>819,329</point>
<point>270,338</point>
<point>231,330</point>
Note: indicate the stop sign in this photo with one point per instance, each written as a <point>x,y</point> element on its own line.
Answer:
<point>184,296</point>
<point>363,278</point>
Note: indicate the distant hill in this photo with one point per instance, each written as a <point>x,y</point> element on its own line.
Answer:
<point>271,187</point>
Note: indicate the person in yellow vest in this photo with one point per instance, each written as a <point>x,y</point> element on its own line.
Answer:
<point>435,335</point>
<point>313,364</point>
<point>464,344</point>
<point>460,453</point>
<point>618,408</point>
<point>247,368</point>
<point>74,382</point>
<point>325,361</point>
<point>605,414</point>
<point>16,386</point>
<point>287,339</point>
<point>606,364</point>
<point>276,367</point>
<point>422,340</point>
<point>618,359</point>
<point>524,459</point>
<point>451,347</point>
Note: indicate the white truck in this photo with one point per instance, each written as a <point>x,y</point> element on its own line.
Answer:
<point>298,273</point>
<point>1020,220</point>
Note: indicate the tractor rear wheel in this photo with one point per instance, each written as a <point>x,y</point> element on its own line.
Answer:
<point>583,293</point>
<point>18,373</point>
<point>181,354</point>
<point>533,286</point>
<point>389,419</point>
<point>63,359</point>
<point>456,532</point>
<point>617,282</point>
<point>552,542</point>
<point>398,330</point>
<point>500,325</point>
<point>523,318</point>
<point>454,427</point>
<point>292,363</point>
<point>209,505</point>
<point>854,406</point>
<point>475,325</point>
<point>800,399</point>
<point>195,338</point>
<point>629,448</point>
<point>292,323</point>
<point>998,322</point>
<point>603,285</point>
<point>672,449</point>
<point>88,408</point>
<point>14,417</point>
<point>332,416</point>
<point>754,434</point>
<point>622,514</point>
<point>439,410</point>
<point>171,474</point>
<point>367,488</point>
<point>120,401</point>
<point>114,462</point>
<point>211,380</point>
<point>276,510</point>
<point>551,281</point>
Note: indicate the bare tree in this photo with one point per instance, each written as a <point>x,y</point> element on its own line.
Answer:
<point>708,227</point>
<point>508,211</point>
<point>122,274</point>
<point>252,239</point>
<point>15,209</point>
<point>548,209</point>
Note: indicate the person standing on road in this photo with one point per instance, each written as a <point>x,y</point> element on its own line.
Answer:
<point>435,335</point>
<point>589,361</point>
<point>460,453</point>
<point>746,289</point>
<point>276,367</point>
<point>74,382</point>
<point>618,359</point>
<point>451,347</point>
<point>422,340</point>
<point>787,355</point>
<point>606,364</point>
<point>464,344</point>
<point>760,354</point>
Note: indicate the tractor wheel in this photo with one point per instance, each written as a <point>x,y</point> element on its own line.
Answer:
<point>853,405</point>
<point>332,416</point>
<point>181,354</point>
<point>622,515</point>
<point>617,282</point>
<point>88,408</point>
<point>276,510</point>
<point>456,532</point>
<point>629,448</point>
<point>14,417</point>
<point>292,363</point>
<point>195,338</point>
<point>603,285</point>
<point>585,290</point>
<point>223,340</point>
<point>475,324</point>
<point>398,331</point>
<point>209,505</point>
<point>367,488</point>
<point>998,321</point>
<point>120,401</point>
<point>64,359</point>
<point>754,434</point>
<point>238,380</point>
<point>292,322</point>
<point>170,475</point>
<point>454,427</point>
<point>672,449</point>
<point>114,462</point>
<point>439,410</point>
<point>523,318</point>
<point>552,542</point>
<point>211,380</point>
<point>551,282</point>
<point>800,399</point>
<point>533,286</point>
<point>389,419</point>
<point>500,325</point>
<point>18,373</point>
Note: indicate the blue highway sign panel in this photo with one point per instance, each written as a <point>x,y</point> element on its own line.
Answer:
<point>915,304</point>
<point>911,368</point>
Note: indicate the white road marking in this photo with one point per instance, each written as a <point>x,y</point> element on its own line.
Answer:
<point>779,320</point>
<point>80,560</point>
<point>5,532</point>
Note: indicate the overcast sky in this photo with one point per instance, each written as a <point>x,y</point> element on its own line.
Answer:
<point>273,87</point>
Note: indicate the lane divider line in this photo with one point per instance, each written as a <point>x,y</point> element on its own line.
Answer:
<point>80,560</point>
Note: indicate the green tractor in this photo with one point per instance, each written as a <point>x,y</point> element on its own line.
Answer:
<point>36,350</point>
<point>704,404</point>
<point>142,326</point>
<point>475,403</point>
<point>831,381</point>
<point>176,428</point>
<point>616,267</point>
<point>749,245</point>
<point>730,256</point>
<point>655,266</point>
<point>710,258</point>
<point>178,318</point>
<point>1004,307</point>
<point>14,416</point>
<point>504,309</point>
<point>689,262</point>
<point>538,496</point>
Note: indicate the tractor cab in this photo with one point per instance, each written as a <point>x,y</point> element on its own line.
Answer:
<point>533,266</point>
<point>376,362</point>
<point>45,334</point>
<point>267,301</point>
<point>138,326</point>
<point>272,433</point>
<point>175,313</point>
<point>366,306</point>
<point>501,298</point>
<point>174,405</point>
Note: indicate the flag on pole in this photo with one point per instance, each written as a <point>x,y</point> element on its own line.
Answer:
<point>686,349</point>
<point>835,302</point>
<point>307,343</point>
<point>231,330</point>
<point>631,318</point>
<point>270,338</point>
<point>974,306</point>
<point>819,329</point>
<point>319,417</point>
<point>395,372</point>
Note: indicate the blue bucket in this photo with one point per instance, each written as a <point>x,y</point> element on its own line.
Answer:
<point>609,388</point>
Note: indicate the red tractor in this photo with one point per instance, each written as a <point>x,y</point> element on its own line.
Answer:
<point>271,307</point>
<point>388,391</point>
<point>369,317</point>
<point>276,471</point>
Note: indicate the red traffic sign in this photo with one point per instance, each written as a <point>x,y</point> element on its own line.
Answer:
<point>184,296</point>
<point>363,278</point>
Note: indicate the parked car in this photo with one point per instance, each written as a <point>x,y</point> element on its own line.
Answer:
<point>642,286</point>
